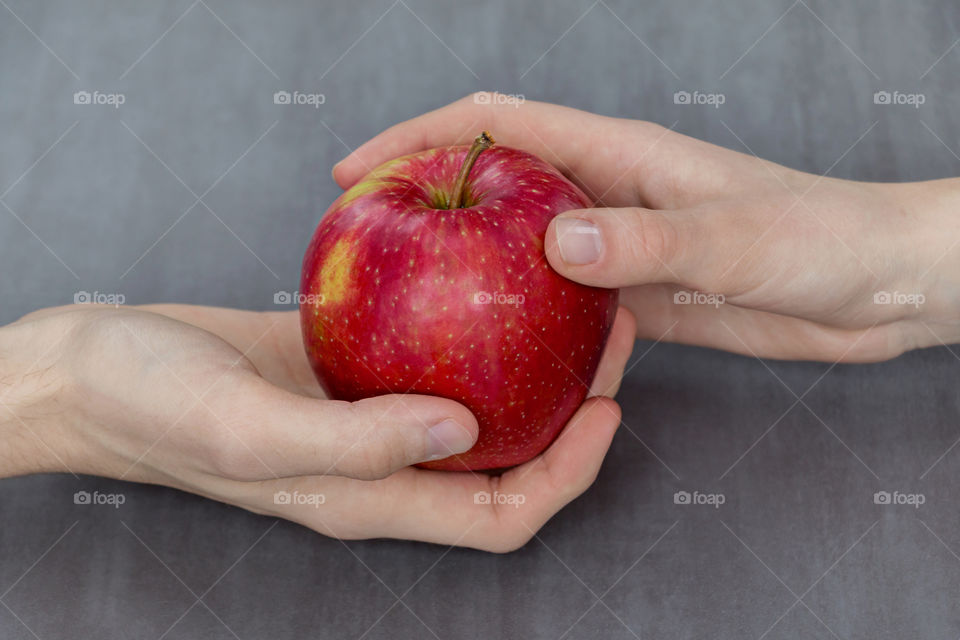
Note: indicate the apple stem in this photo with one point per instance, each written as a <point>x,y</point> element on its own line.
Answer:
<point>482,142</point>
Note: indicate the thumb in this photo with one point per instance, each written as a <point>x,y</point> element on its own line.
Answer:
<point>275,433</point>
<point>627,246</point>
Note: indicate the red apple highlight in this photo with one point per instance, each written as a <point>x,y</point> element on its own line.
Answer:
<point>428,276</point>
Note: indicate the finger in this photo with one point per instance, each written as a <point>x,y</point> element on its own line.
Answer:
<point>615,161</point>
<point>633,246</point>
<point>452,508</point>
<point>617,351</point>
<point>555,478</point>
<point>599,154</point>
<point>754,333</point>
<point>268,432</point>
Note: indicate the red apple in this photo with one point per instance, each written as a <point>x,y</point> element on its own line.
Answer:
<point>429,276</point>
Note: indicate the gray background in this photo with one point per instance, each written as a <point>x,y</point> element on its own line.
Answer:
<point>799,549</point>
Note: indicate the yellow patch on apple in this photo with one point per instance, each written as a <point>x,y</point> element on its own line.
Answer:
<point>335,275</point>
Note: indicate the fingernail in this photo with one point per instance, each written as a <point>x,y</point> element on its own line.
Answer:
<point>333,172</point>
<point>447,438</point>
<point>579,241</point>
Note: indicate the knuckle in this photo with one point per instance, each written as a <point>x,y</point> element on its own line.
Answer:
<point>373,452</point>
<point>365,462</point>
<point>374,445</point>
<point>652,243</point>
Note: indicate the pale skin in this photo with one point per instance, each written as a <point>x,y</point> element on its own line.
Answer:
<point>222,403</point>
<point>798,257</point>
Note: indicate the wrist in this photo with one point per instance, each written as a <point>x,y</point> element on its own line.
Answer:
<point>28,389</point>
<point>931,210</point>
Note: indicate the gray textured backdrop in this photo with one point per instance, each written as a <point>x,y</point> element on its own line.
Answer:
<point>798,550</point>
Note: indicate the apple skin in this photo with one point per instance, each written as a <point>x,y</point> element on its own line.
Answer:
<point>389,298</point>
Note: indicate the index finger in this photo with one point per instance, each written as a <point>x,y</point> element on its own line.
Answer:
<point>597,153</point>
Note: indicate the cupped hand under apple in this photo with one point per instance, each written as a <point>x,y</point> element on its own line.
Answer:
<point>223,403</point>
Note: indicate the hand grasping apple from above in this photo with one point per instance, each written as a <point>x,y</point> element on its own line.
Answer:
<point>799,258</point>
